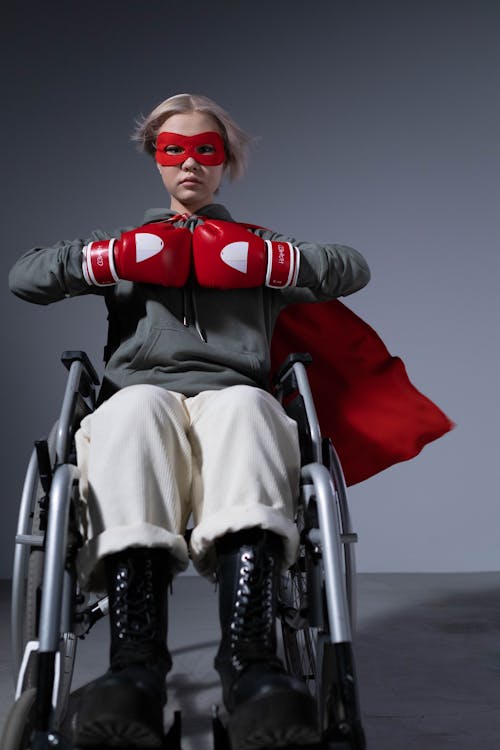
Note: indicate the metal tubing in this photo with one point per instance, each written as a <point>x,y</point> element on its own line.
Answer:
<point>312,418</point>
<point>30,540</point>
<point>65,622</point>
<point>329,526</point>
<point>21,553</point>
<point>55,556</point>
<point>347,530</point>
<point>68,411</point>
<point>350,561</point>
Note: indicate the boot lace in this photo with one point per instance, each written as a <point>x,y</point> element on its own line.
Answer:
<point>136,617</point>
<point>252,632</point>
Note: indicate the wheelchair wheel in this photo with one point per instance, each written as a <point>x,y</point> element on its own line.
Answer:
<point>31,580</point>
<point>299,638</point>
<point>338,704</point>
<point>32,607</point>
<point>327,668</point>
<point>19,724</point>
<point>33,587</point>
<point>27,583</point>
<point>33,583</point>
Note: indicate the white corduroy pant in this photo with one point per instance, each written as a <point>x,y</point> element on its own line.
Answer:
<point>149,458</point>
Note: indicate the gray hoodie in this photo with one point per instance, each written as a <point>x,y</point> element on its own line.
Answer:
<point>191,339</point>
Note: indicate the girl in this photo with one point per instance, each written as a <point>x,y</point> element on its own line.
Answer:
<point>185,425</point>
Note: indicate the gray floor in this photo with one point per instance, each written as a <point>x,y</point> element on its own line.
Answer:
<point>427,649</point>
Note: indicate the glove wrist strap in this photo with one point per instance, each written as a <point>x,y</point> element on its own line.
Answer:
<point>98,263</point>
<point>283,262</point>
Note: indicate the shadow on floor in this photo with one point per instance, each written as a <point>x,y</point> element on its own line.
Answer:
<point>427,651</point>
<point>429,673</point>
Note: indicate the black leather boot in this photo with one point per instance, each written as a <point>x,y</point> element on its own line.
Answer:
<point>124,708</point>
<point>268,707</point>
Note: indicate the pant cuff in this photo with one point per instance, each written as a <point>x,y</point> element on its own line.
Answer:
<point>90,569</point>
<point>231,520</point>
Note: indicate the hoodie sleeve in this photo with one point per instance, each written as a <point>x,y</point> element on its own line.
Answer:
<point>326,271</point>
<point>48,274</point>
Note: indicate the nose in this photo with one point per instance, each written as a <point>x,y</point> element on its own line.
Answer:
<point>190,163</point>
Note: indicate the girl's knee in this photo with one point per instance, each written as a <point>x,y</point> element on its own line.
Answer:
<point>139,404</point>
<point>247,398</point>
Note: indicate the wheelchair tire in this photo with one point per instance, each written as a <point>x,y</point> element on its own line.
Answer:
<point>32,585</point>
<point>32,608</point>
<point>338,704</point>
<point>326,668</point>
<point>32,603</point>
<point>34,580</point>
<point>31,573</point>
<point>68,642</point>
<point>19,724</point>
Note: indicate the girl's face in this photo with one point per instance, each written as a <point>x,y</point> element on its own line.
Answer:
<point>190,183</point>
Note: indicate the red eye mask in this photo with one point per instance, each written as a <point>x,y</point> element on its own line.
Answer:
<point>206,148</point>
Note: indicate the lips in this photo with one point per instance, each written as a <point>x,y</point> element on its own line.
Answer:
<point>190,181</point>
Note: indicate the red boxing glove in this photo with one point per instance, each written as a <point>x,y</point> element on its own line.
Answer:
<point>227,256</point>
<point>152,254</point>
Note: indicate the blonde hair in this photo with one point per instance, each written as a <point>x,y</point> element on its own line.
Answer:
<point>236,141</point>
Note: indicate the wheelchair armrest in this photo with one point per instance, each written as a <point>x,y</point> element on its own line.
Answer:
<point>78,400</point>
<point>68,357</point>
<point>286,369</point>
<point>293,391</point>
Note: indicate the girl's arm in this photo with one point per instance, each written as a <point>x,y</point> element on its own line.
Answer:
<point>326,271</point>
<point>48,274</point>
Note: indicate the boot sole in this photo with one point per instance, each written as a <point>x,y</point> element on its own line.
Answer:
<point>115,716</point>
<point>112,731</point>
<point>273,721</point>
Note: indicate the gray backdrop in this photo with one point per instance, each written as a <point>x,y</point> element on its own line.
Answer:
<point>379,127</point>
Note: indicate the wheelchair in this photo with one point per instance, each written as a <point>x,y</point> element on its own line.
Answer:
<point>50,612</point>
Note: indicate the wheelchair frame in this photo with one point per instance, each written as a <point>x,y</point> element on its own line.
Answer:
<point>322,581</point>
<point>316,603</point>
<point>51,639</point>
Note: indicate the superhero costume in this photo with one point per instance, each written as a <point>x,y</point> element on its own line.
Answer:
<point>175,338</point>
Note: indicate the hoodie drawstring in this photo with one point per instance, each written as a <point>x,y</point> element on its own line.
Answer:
<point>189,307</point>
<point>190,311</point>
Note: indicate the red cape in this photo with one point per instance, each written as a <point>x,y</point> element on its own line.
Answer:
<point>365,402</point>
